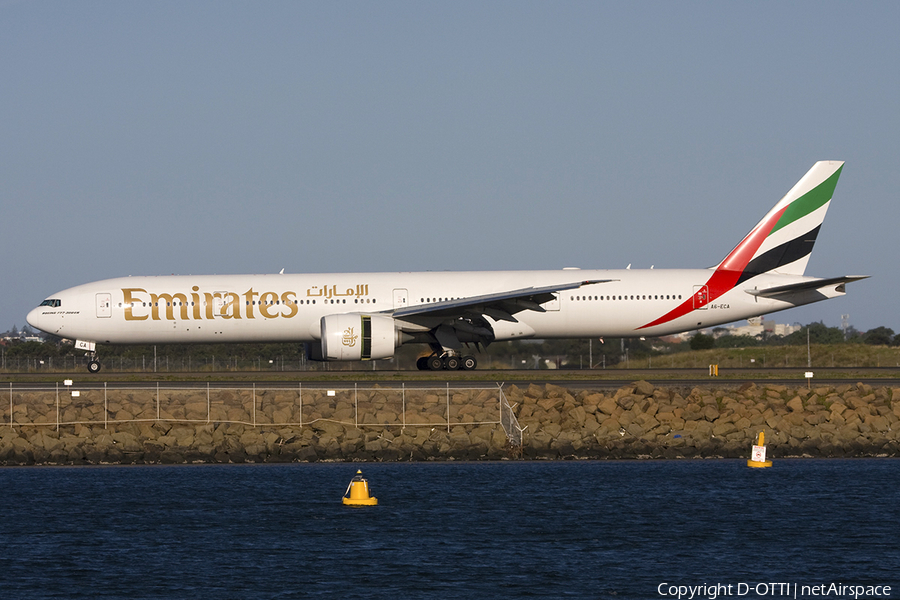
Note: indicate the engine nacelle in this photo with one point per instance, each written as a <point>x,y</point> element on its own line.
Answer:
<point>358,337</point>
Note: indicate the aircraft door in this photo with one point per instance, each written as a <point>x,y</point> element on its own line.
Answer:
<point>701,297</point>
<point>401,298</point>
<point>104,305</point>
<point>219,304</point>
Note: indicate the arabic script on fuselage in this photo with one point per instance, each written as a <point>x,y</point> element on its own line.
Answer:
<point>332,292</point>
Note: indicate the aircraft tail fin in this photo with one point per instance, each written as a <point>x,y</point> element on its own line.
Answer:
<point>783,240</point>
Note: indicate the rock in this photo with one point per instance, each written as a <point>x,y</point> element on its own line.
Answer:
<point>554,391</point>
<point>722,428</point>
<point>577,416</point>
<point>552,429</point>
<point>626,402</point>
<point>608,406</point>
<point>534,392</point>
<point>635,430</point>
<point>328,428</point>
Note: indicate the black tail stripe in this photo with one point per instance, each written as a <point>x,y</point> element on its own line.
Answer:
<point>784,254</point>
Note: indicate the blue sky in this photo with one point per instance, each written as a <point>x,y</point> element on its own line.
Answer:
<point>149,138</point>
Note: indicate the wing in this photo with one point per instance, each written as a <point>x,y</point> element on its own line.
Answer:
<point>502,304</point>
<point>451,323</point>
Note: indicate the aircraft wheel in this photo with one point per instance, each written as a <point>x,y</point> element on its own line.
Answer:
<point>94,366</point>
<point>451,363</point>
<point>422,363</point>
<point>469,363</point>
<point>435,363</point>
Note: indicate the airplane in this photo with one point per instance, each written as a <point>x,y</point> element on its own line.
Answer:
<point>367,316</point>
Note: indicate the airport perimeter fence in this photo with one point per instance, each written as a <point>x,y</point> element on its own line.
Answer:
<point>160,364</point>
<point>262,406</point>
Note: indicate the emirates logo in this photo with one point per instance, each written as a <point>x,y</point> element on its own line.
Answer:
<point>349,338</point>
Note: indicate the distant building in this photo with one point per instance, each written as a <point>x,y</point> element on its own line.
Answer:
<point>22,335</point>
<point>758,326</point>
<point>755,327</point>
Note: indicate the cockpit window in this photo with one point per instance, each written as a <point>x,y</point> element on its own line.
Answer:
<point>52,302</point>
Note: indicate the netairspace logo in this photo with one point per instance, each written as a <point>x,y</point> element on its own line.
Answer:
<point>772,590</point>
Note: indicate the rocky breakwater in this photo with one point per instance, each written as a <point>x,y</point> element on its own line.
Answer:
<point>237,426</point>
<point>636,421</point>
<point>642,421</point>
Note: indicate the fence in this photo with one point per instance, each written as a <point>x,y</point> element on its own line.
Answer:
<point>157,364</point>
<point>259,406</point>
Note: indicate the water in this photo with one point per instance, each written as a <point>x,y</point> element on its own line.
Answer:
<point>472,530</point>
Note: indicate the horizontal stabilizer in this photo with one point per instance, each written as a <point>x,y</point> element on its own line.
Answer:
<point>815,284</point>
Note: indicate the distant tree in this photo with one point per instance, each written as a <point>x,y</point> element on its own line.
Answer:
<point>853,335</point>
<point>32,350</point>
<point>737,341</point>
<point>769,338</point>
<point>880,336</point>
<point>818,334</point>
<point>702,342</point>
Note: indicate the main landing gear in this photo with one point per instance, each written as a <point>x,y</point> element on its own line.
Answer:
<point>446,362</point>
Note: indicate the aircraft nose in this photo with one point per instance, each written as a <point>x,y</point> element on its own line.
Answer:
<point>34,318</point>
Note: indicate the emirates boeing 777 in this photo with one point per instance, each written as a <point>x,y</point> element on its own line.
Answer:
<point>367,316</point>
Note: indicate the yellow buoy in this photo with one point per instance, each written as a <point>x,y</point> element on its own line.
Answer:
<point>758,457</point>
<point>358,491</point>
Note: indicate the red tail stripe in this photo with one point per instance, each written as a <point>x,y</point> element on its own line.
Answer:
<point>729,271</point>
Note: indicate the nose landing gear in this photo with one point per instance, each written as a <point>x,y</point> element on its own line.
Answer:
<point>93,365</point>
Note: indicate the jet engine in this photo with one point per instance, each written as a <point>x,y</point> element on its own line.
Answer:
<point>358,337</point>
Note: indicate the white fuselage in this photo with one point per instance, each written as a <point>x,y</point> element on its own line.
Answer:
<point>289,308</point>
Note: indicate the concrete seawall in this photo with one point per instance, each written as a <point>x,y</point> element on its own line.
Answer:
<point>636,421</point>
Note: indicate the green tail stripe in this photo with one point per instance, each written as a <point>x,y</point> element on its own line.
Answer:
<point>809,202</point>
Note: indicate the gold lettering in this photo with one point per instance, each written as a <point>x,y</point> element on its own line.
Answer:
<point>169,300</point>
<point>210,304</point>
<point>349,338</point>
<point>361,289</point>
<point>266,301</point>
<point>232,308</point>
<point>250,296</point>
<point>154,305</point>
<point>222,304</point>
<point>129,301</point>
<point>183,303</point>
<point>195,300</point>
<point>289,299</point>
